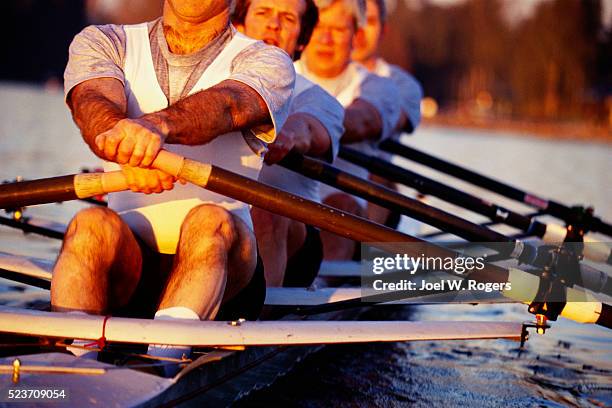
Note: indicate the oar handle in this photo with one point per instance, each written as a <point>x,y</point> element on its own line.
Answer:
<point>169,162</point>
<point>65,188</point>
<point>93,184</point>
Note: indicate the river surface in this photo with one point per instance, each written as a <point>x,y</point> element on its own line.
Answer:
<point>569,366</point>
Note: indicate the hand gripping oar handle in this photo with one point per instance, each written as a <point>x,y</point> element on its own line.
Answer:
<point>65,188</point>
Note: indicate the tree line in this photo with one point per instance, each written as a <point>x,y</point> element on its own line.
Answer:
<point>554,64</point>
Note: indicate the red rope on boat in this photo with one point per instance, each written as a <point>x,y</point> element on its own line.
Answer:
<point>101,342</point>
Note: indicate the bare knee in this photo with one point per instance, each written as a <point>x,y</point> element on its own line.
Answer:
<point>209,221</point>
<point>97,224</point>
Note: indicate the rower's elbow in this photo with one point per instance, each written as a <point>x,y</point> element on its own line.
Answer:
<point>244,106</point>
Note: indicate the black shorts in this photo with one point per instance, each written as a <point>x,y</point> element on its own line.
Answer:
<point>156,268</point>
<point>303,266</point>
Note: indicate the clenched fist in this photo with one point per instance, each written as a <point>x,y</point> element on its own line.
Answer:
<point>134,142</point>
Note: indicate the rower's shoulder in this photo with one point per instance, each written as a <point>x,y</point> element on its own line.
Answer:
<point>105,39</point>
<point>113,32</point>
<point>397,74</point>
<point>376,82</point>
<point>255,53</point>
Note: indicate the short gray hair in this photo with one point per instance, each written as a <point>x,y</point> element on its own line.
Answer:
<point>357,7</point>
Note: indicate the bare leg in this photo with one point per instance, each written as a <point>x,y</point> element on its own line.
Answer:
<point>99,265</point>
<point>271,231</point>
<point>278,238</point>
<point>216,257</point>
<point>336,248</point>
<point>377,213</point>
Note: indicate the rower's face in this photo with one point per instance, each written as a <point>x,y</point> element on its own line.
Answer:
<point>367,40</point>
<point>329,51</point>
<point>276,22</point>
<point>196,11</point>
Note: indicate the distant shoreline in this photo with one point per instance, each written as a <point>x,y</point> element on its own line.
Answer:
<point>571,131</point>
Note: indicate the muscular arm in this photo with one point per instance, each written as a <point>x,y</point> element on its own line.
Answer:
<point>201,117</point>
<point>361,122</point>
<point>97,105</point>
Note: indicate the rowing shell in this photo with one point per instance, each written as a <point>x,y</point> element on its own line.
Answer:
<point>218,377</point>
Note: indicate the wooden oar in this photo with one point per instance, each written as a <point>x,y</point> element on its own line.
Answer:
<point>213,178</point>
<point>271,199</point>
<point>385,197</point>
<point>550,233</point>
<point>551,207</point>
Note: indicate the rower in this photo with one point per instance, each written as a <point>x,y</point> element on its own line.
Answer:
<point>291,251</point>
<point>371,109</point>
<point>190,82</point>
<point>367,52</point>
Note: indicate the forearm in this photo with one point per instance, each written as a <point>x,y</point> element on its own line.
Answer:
<point>96,106</point>
<point>361,122</point>
<point>201,117</point>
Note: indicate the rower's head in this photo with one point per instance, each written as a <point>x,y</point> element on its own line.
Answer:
<point>329,51</point>
<point>368,40</point>
<point>196,11</point>
<point>287,24</point>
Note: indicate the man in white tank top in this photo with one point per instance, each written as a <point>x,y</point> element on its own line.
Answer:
<point>291,251</point>
<point>189,83</point>
<point>371,109</point>
<point>366,52</point>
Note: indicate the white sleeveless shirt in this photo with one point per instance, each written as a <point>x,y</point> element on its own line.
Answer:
<point>157,218</point>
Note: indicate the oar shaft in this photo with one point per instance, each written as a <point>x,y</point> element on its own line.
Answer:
<point>21,194</point>
<point>388,198</point>
<point>277,201</point>
<point>553,208</point>
<point>395,201</point>
<point>56,189</point>
<point>442,191</point>
<point>454,170</point>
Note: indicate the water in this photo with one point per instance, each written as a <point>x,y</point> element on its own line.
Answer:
<point>570,366</point>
